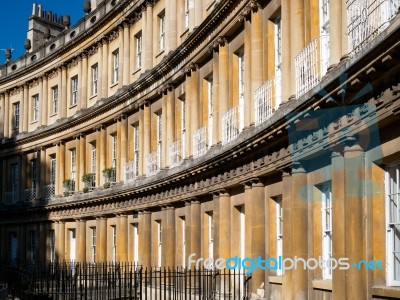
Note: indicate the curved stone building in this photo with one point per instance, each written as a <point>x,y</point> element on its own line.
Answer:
<point>151,130</point>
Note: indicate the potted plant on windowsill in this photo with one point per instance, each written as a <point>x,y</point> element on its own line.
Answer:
<point>107,173</point>
<point>67,186</point>
<point>86,179</point>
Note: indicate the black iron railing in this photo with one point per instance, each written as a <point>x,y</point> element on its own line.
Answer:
<point>71,280</point>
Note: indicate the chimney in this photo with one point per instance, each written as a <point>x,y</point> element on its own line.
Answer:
<point>34,9</point>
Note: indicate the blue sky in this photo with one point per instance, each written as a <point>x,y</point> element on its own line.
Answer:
<point>14,20</point>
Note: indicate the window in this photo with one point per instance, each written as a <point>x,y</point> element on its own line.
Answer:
<point>95,78</point>
<point>74,90</point>
<point>161,20</point>
<point>93,246</point>
<point>52,170</point>
<point>278,58</point>
<point>279,230</point>
<point>159,140</point>
<point>136,149</point>
<point>32,245</point>
<point>115,66</point>
<point>114,243</point>
<point>241,91</point>
<point>183,230</point>
<point>72,246</point>
<point>393,225</point>
<point>138,38</point>
<point>13,246</point>
<point>73,168</point>
<point>16,115</point>
<point>34,174</point>
<point>93,158</point>
<point>326,206</point>
<point>114,150</point>
<point>159,242</point>
<point>35,105</point>
<point>186,14</point>
<point>210,235</point>
<point>52,238</point>
<point>136,243</point>
<point>183,126</point>
<point>210,97</point>
<point>54,91</point>
<point>324,30</point>
<point>14,182</point>
<point>242,232</point>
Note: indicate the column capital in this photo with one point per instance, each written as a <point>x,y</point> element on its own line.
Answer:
<point>297,168</point>
<point>59,143</point>
<point>219,193</point>
<point>99,127</point>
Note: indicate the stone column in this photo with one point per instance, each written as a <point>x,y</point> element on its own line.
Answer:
<point>7,114</point>
<point>287,282</point>
<point>103,152</point>
<point>223,80</point>
<point>60,159</point>
<point>145,239</point>
<point>256,60</point>
<point>81,240</point>
<point>198,10</point>
<point>126,65</point>
<point>335,34</point>
<point>354,221</point>
<point>286,44</point>
<point>195,229</point>
<point>345,36</point>
<point>297,33</point>
<point>122,238</point>
<point>60,245</point>
<point>146,133</point>
<point>121,56</point>
<point>41,103</point>
<point>118,161</point>
<point>169,117</point>
<point>101,240</point>
<point>299,237</point>
<point>171,23</point>
<point>25,116</point>
<point>258,216</point>
<point>64,102</point>
<point>248,74</point>
<point>21,234</point>
<point>148,63</point>
<point>141,143</point>
<point>42,245</point>
<point>193,109</point>
<point>84,78</point>
<point>222,213</point>
<point>168,234</point>
<point>3,245</point>
<point>80,83</point>
<point>215,129</point>
<point>104,75</point>
<point>81,163</point>
<point>338,229</point>
<point>99,46</point>
<point>123,144</point>
<point>43,111</point>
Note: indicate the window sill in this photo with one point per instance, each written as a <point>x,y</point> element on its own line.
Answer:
<point>275,279</point>
<point>137,71</point>
<point>184,33</point>
<point>322,284</point>
<point>73,106</point>
<point>386,291</point>
<point>34,122</point>
<point>93,96</point>
<point>159,53</point>
<point>53,115</point>
<point>210,6</point>
<point>113,84</point>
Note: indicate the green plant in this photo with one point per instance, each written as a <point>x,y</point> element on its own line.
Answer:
<point>108,172</point>
<point>66,194</point>
<point>106,185</point>
<point>85,189</point>
<point>66,183</point>
<point>86,178</point>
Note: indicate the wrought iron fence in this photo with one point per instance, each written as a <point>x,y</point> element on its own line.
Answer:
<point>100,281</point>
<point>131,171</point>
<point>267,98</point>
<point>10,197</point>
<point>152,163</point>
<point>200,142</point>
<point>175,156</point>
<point>230,125</point>
<point>48,191</point>
<point>30,195</point>
<point>367,18</point>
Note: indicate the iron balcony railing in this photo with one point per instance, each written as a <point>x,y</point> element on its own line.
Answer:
<point>366,19</point>
<point>230,125</point>
<point>130,171</point>
<point>267,98</point>
<point>311,64</point>
<point>48,191</point>
<point>152,163</point>
<point>175,156</point>
<point>200,142</point>
<point>30,195</point>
